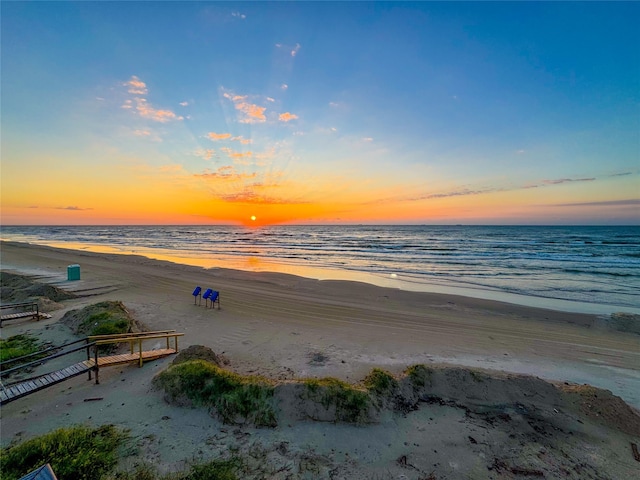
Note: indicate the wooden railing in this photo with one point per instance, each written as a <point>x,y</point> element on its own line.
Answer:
<point>34,311</point>
<point>7,371</point>
<point>91,364</point>
<point>134,339</point>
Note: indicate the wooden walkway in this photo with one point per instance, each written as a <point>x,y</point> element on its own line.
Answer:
<point>22,389</point>
<point>26,387</point>
<point>34,312</point>
<point>134,357</point>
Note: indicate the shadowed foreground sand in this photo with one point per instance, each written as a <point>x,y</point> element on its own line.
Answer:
<point>287,327</point>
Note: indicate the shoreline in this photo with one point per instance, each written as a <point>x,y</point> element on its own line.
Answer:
<point>393,281</point>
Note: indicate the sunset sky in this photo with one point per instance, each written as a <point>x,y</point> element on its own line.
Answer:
<point>311,113</point>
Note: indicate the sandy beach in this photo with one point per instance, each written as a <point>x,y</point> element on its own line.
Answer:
<point>285,327</point>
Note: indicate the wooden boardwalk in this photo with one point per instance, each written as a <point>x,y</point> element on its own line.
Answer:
<point>134,357</point>
<point>22,389</point>
<point>33,312</point>
<point>27,387</point>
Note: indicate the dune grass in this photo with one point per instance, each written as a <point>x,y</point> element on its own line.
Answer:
<point>236,398</point>
<point>18,346</point>
<point>419,375</point>
<point>239,399</point>
<point>74,453</point>
<point>380,382</point>
<point>85,453</point>
<point>352,404</point>
<point>211,470</point>
<point>106,323</point>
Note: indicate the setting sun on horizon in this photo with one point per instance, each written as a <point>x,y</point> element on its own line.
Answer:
<point>319,113</point>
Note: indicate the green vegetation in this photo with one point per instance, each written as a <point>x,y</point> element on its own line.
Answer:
<point>18,346</point>
<point>106,323</point>
<point>103,318</point>
<point>233,396</point>
<point>477,376</point>
<point>75,453</point>
<point>419,375</point>
<point>212,470</point>
<point>84,453</point>
<point>380,382</point>
<point>351,404</point>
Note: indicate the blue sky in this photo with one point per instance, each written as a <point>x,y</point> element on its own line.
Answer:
<point>448,112</point>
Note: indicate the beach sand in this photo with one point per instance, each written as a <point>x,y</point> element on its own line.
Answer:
<point>286,327</point>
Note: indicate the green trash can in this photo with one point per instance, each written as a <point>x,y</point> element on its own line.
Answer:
<point>73,272</point>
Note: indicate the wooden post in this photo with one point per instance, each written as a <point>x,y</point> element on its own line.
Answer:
<point>88,357</point>
<point>167,342</point>
<point>176,337</point>
<point>140,347</point>
<point>95,349</point>
<point>131,345</point>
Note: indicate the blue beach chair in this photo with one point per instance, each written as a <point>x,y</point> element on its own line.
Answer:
<point>207,293</point>
<point>196,294</point>
<point>215,297</point>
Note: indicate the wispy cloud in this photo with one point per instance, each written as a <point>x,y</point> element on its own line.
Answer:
<point>234,154</point>
<point>284,86</point>
<point>560,181</point>
<point>73,208</point>
<point>207,154</point>
<point>141,106</point>
<point>463,192</point>
<point>136,86</point>
<point>218,136</point>
<point>623,174</point>
<point>606,203</point>
<point>293,51</point>
<point>251,196</point>
<point>184,104</point>
<point>287,117</point>
<point>226,173</point>
<point>244,141</point>
<point>251,113</point>
<point>159,115</point>
<point>239,15</point>
<point>142,133</point>
<point>466,191</point>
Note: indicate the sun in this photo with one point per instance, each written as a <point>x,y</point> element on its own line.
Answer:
<point>253,218</point>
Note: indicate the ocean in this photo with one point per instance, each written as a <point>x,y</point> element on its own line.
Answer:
<point>575,268</point>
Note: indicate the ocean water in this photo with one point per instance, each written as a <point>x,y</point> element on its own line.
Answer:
<point>576,268</point>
